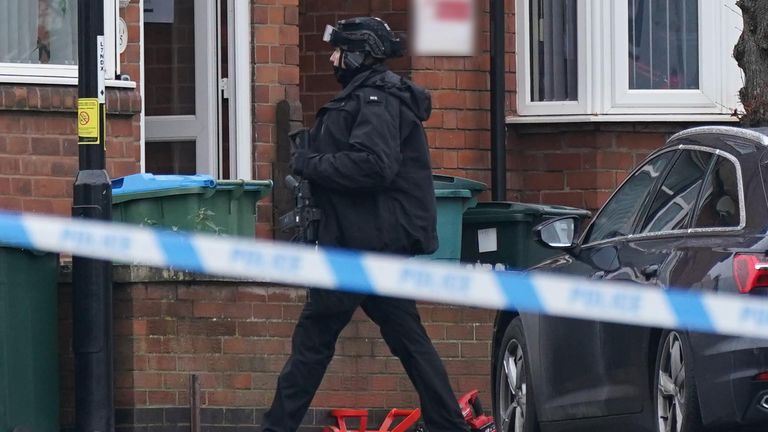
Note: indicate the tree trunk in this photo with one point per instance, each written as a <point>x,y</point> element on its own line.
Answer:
<point>751,53</point>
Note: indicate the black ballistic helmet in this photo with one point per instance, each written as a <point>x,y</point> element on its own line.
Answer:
<point>365,34</point>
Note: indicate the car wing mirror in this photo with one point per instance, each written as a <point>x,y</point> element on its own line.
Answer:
<point>559,233</point>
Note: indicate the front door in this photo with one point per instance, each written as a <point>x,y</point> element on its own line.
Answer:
<point>196,51</point>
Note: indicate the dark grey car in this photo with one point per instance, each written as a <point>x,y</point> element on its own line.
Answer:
<point>694,214</point>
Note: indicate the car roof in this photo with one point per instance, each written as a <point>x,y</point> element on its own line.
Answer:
<point>706,135</point>
<point>748,145</point>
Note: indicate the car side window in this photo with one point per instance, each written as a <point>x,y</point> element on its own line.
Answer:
<point>719,206</point>
<point>618,214</point>
<point>676,198</point>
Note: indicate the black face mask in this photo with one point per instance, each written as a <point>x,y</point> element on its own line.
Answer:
<point>344,76</point>
<point>353,64</point>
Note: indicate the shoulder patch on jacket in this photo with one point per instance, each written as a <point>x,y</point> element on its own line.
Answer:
<point>373,99</point>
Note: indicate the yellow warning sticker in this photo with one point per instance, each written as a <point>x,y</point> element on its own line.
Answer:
<point>88,121</point>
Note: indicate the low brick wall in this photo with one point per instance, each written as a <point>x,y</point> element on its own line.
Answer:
<point>235,336</point>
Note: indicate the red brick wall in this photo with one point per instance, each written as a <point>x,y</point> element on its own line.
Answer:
<point>38,136</point>
<point>236,338</point>
<point>130,59</point>
<point>275,29</point>
<point>38,145</point>
<point>459,129</point>
<point>577,165</point>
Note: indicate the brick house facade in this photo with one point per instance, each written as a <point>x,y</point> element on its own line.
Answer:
<point>234,335</point>
<point>38,135</point>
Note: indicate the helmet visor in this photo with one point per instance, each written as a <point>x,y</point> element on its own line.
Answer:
<point>347,41</point>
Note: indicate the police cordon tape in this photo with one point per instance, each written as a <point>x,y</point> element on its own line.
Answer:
<point>370,273</point>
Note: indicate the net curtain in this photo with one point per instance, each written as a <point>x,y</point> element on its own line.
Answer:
<point>38,31</point>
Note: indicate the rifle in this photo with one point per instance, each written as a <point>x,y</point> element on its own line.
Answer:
<point>304,218</point>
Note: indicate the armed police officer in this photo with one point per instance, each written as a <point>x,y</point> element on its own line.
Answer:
<point>367,161</point>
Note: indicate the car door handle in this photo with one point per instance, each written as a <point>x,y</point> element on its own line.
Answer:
<point>650,271</point>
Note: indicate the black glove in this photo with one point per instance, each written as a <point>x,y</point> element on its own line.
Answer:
<point>299,150</point>
<point>298,162</point>
<point>299,139</point>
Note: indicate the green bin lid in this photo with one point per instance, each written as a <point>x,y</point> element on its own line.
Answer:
<point>262,187</point>
<point>452,182</point>
<point>500,211</point>
<point>453,193</point>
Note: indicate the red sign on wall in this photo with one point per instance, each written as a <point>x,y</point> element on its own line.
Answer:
<point>454,10</point>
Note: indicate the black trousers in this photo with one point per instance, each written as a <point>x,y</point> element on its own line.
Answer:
<point>325,315</point>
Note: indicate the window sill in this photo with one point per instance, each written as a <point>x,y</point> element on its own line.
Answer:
<point>627,118</point>
<point>63,98</point>
<point>63,81</point>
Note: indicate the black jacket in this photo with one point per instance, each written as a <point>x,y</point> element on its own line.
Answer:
<point>368,165</point>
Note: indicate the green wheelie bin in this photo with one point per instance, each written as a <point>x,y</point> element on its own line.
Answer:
<point>454,195</point>
<point>29,356</point>
<point>500,233</point>
<point>189,202</point>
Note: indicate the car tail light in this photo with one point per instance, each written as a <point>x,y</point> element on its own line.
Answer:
<point>750,272</point>
<point>763,376</point>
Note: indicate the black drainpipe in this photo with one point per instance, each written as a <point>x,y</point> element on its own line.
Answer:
<point>498,129</point>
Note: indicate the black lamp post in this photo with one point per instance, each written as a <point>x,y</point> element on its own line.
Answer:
<point>92,279</point>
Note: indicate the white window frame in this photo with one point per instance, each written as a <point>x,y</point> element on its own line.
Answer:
<point>241,148</point>
<point>604,93</point>
<point>525,105</point>
<point>67,74</point>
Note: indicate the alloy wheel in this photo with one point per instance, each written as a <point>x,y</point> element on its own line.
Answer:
<point>512,389</point>
<point>671,385</point>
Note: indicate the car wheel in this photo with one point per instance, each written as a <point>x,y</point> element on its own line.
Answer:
<point>514,411</point>
<point>677,404</point>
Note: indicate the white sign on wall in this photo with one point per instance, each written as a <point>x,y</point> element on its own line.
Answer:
<point>122,35</point>
<point>158,11</point>
<point>444,27</point>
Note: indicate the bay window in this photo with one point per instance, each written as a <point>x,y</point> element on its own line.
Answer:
<point>627,59</point>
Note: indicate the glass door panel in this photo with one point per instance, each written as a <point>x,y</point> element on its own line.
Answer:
<point>182,83</point>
